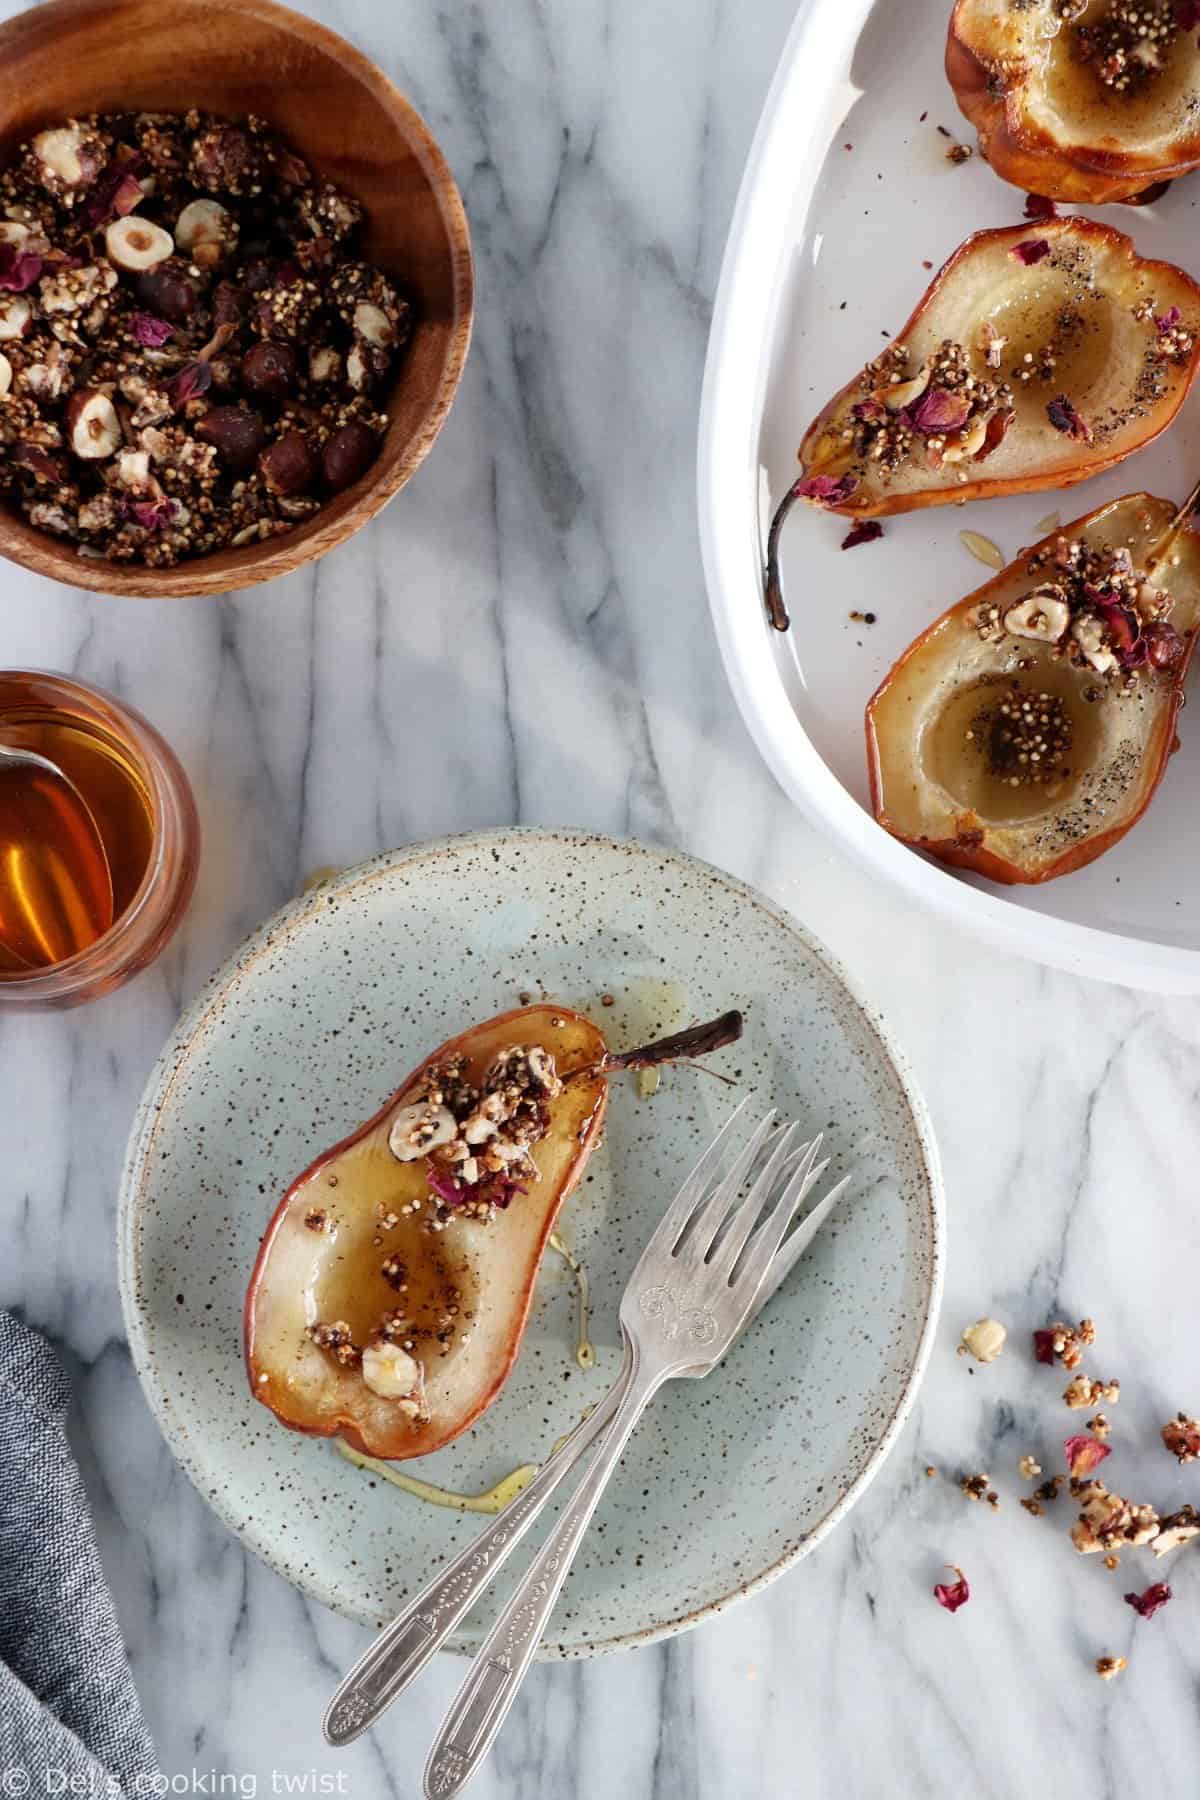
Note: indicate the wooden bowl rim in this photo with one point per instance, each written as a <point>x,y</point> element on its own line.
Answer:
<point>283,554</point>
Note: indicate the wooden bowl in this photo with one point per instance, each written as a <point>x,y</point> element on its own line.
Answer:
<point>233,57</point>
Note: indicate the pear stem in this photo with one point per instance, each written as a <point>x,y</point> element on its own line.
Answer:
<point>777,611</point>
<point>696,1040</point>
<point>1178,522</point>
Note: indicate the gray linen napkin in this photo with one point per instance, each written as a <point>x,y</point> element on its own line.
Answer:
<point>70,1721</point>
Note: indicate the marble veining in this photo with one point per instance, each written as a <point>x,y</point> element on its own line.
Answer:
<point>523,635</point>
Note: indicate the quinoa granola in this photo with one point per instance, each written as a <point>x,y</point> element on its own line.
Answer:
<point>192,352</point>
<point>1099,613</point>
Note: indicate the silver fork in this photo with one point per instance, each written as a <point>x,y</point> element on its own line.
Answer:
<point>396,1657</point>
<point>713,1258</point>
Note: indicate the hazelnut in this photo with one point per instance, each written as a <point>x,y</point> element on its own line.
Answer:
<point>133,471</point>
<point>1043,615</point>
<point>49,378</point>
<point>93,428</point>
<point>5,373</point>
<point>12,231</point>
<point>1089,634</point>
<point>168,292</point>
<point>204,224</point>
<point>348,454</point>
<point>389,1371</point>
<point>137,244</point>
<point>419,1128</point>
<point>984,1339</point>
<point>270,370</point>
<point>899,394</point>
<point>324,364</point>
<point>365,365</point>
<point>16,313</point>
<point>373,324</point>
<point>290,465</point>
<point>236,434</point>
<point>63,153</point>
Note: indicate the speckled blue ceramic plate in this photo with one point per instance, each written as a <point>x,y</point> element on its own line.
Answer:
<point>322,1013</point>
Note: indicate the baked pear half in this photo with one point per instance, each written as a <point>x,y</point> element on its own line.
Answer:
<point>393,1284</point>
<point>1039,355</point>
<point>1080,100</point>
<point>1027,729</point>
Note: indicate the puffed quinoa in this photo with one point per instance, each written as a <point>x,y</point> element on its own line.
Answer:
<point>1181,1435</point>
<point>1029,1468</point>
<point>1082,1392</point>
<point>1065,1343</point>
<point>979,1487</point>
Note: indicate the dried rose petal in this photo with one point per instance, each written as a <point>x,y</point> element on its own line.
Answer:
<point>937,410</point>
<point>1164,646</point>
<point>1030,250</point>
<point>1168,320</point>
<point>1043,1346</point>
<point>952,1594</point>
<point>154,515</point>
<point>863,533</point>
<point>194,378</point>
<point>19,269</point>
<point>1062,414</point>
<point>869,409</point>
<point>150,331</point>
<point>1124,631</point>
<point>1084,1454</point>
<point>827,489</point>
<point>41,466</point>
<point>1187,14</point>
<point>1040,206</point>
<point>445,1187</point>
<point>115,192</point>
<point>1147,1604</point>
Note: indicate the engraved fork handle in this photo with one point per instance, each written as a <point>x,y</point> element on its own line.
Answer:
<point>494,1678</point>
<point>402,1649</point>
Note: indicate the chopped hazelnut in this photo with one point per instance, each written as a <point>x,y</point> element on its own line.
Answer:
<point>136,244</point>
<point>984,1340</point>
<point>1107,1522</point>
<point>1108,1666</point>
<point>1177,1528</point>
<point>94,430</point>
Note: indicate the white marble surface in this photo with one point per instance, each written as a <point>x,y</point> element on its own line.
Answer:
<point>524,636</point>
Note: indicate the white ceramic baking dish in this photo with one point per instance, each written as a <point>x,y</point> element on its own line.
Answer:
<point>847,202</point>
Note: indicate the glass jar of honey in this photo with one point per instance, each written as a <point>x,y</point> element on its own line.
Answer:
<point>95,871</point>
